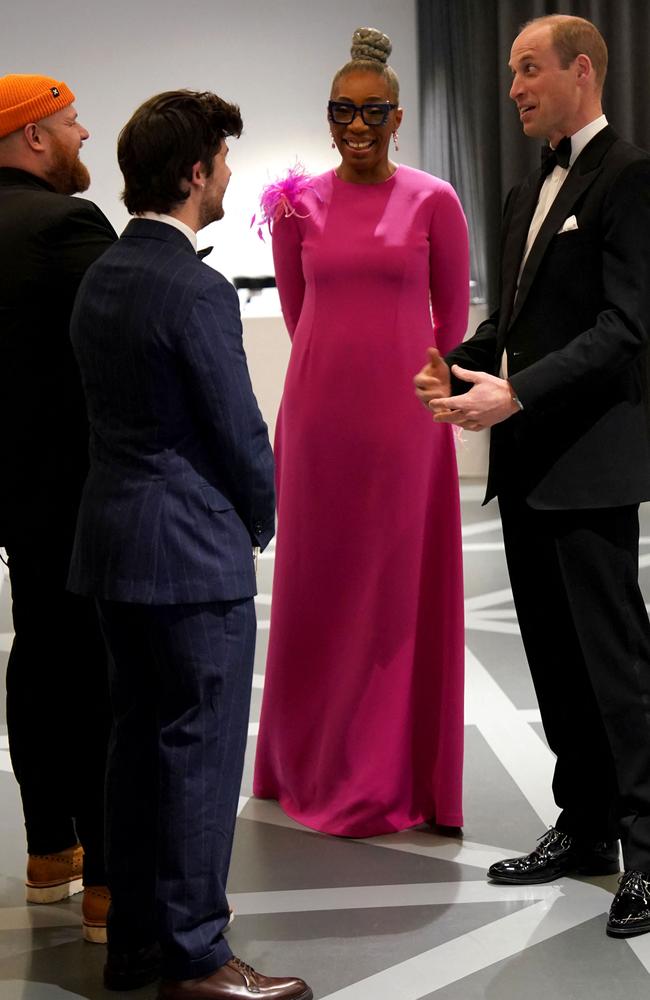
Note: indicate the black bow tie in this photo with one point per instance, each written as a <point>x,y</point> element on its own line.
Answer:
<point>558,157</point>
<point>204,253</point>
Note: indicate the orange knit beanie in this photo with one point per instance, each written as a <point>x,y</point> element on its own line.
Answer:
<point>26,97</point>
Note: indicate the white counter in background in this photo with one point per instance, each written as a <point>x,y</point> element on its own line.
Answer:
<point>267,347</point>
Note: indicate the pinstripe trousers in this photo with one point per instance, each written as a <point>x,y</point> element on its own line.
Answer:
<point>180,680</point>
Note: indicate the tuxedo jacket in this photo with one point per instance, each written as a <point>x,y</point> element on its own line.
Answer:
<point>180,486</point>
<point>576,334</point>
<point>47,241</point>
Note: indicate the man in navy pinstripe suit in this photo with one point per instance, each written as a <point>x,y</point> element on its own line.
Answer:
<point>179,491</point>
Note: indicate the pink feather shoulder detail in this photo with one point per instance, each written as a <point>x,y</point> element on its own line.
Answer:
<point>280,198</point>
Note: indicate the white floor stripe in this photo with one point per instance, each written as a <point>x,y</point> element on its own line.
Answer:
<point>476,623</point>
<point>641,948</point>
<point>477,950</point>
<point>521,751</point>
<point>488,600</point>
<point>380,896</point>
<point>496,614</point>
<point>481,527</point>
<point>530,714</point>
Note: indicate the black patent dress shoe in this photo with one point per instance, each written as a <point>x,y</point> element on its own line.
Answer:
<point>129,970</point>
<point>630,911</point>
<point>557,854</point>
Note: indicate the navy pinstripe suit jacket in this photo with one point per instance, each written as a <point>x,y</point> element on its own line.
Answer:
<point>180,485</point>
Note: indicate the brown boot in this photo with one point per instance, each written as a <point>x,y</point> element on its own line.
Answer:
<point>52,877</point>
<point>94,910</point>
<point>235,981</point>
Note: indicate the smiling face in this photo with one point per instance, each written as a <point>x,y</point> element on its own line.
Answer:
<point>364,148</point>
<point>549,98</point>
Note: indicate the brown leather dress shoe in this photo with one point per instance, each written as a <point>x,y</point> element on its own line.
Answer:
<point>94,910</point>
<point>235,981</point>
<point>52,877</point>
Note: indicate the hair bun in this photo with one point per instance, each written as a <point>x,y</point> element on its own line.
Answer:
<point>368,43</point>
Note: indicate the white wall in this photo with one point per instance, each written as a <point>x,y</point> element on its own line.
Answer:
<point>275,58</point>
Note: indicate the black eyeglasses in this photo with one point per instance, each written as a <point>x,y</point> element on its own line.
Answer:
<point>344,112</point>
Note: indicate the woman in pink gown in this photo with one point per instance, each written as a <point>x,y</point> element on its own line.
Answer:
<point>361,730</point>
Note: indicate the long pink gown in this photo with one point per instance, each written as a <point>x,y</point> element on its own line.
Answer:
<point>361,730</point>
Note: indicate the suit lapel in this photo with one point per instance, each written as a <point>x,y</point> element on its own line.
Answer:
<point>583,173</point>
<point>515,239</point>
<point>573,187</point>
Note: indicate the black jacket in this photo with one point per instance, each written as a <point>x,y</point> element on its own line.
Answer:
<point>47,241</point>
<point>576,334</point>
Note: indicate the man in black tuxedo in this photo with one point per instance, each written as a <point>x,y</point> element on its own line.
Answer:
<point>559,374</point>
<point>57,699</point>
<point>180,490</point>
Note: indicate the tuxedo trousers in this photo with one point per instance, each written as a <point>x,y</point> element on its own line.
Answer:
<point>574,576</point>
<point>58,716</point>
<point>180,680</point>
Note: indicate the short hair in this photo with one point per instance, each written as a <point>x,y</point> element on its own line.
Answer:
<point>369,53</point>
<point>164,138</point>
<point>573,36</point>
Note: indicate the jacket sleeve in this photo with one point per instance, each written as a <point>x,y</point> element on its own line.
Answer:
<point>80,236</point>
<point>214,363</point>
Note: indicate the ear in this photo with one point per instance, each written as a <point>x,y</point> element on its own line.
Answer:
<point>34,137</point>
<point>399,113</point>
<point>584,69</point>
<point>197,176</point>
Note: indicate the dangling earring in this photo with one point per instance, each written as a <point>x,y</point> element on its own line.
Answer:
<point>395,138</point>
<point>333,143</point>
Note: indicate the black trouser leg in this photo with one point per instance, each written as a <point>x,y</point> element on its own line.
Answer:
<point>57,706</point>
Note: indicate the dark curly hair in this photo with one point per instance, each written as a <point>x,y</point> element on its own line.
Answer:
<point>164,138</point>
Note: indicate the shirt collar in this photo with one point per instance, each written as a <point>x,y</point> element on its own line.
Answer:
<point>584,135</point>
<point>171,221</point>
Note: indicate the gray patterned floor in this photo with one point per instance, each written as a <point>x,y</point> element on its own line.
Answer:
<point>403,917</point>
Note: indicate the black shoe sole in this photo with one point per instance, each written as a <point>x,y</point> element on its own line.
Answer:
<point>611,868</point>
<point>623,932</point>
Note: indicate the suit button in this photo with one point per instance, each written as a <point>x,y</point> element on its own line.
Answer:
<point>258,527</point>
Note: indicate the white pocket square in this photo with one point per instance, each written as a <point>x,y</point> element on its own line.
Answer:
<point>569,224</point>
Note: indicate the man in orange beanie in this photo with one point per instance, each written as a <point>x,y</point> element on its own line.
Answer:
<point>57,712</point>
